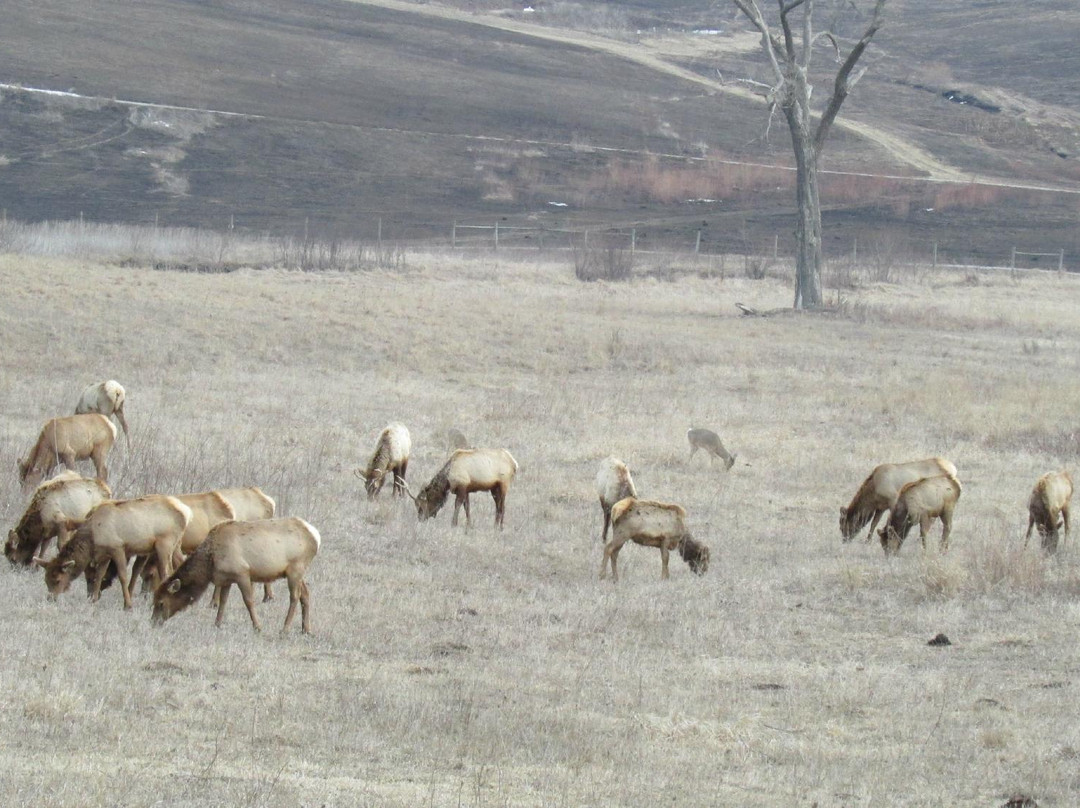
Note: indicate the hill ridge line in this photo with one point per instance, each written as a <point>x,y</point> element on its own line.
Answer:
<point>898,147</point>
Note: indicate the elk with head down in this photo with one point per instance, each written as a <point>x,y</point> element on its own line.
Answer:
<point>117,530</point>
<point>65,498</point>
<point>879,491</point>
<point>466,471</point>
<point>106,398</point>
<point>613,483</point>
<point>709,441</point>
<point>391,456</point>
<point>244,553</point>
<point>1048,508</point>
<point>66,440</point>
<point>652,524</point>
<point>921,502</point>
<point>208,510</point>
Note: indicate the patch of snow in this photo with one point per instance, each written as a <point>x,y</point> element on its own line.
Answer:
<point>558,204</point>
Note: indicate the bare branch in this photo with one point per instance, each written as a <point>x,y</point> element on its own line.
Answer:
<point>769,42</point>
<point>790,6</point>
<point>789,40</point>
<point>828,35</point>
<point>842,85</point>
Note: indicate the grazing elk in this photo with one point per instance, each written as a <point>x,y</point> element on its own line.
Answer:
<point>244,553</point>
<point>65,498</point>
<point>391,456</point>
<point>709,441</point>
<point>613,483</point>
<point>1048,508</point>
<point>68,439</point>
<point>106,398</point>
<point>880,489</point>
<point>466,471</point>
<point>210,509</point>
<point>115,531</point>
<point>921,502</point>
<point>652,524</point>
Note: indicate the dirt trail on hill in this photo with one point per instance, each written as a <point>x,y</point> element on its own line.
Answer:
<point>900,149</point>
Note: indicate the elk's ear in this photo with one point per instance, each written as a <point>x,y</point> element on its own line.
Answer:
<point>843,511</point>
<point>173,587</point>
<point>68,566</point>
<point>39,561</point>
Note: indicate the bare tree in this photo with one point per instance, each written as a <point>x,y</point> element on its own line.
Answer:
<point>789,57</point>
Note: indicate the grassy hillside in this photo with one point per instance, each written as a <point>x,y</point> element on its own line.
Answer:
<point>469,667</point>
<point>339,113</point>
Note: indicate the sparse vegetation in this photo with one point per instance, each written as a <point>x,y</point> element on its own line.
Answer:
<point>453,667</point>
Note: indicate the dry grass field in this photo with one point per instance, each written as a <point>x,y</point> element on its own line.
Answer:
<point>476,668</point>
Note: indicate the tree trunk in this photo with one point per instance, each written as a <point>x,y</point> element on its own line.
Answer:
<point>808,258</point>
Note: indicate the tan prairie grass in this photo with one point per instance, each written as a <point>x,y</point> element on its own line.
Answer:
<point>454,667</point>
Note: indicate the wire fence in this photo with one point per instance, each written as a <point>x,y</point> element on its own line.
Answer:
<point>387,243</point>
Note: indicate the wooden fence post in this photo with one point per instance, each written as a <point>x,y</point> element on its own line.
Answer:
<point>1012,261</point>
<point>633,240</point>
<point>496,234</point>
<point>697,243</point>
<point>1061,260</point>
<point>935,255</point>
<point>453,236</point>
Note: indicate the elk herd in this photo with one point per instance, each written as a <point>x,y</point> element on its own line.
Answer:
<point>183,543</point>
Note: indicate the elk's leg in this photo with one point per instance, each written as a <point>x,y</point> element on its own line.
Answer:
<point>924,528</point>
<point>98,456</point>
<point>296,584</point>
<point>399,479</point>
<point>305,602</point>
<point>458,500</point>
<point>611,554</point>
<point>946,529</point>
<point>607,523</point>
<point>873,523</point>
<point>164,560</point>
<point>693,449</point>
<point>1031,524</point>
<point>67,459</point>
<point>248,594</point>
<point>1065,521</point>
<point>268,593</point>
<point>120,559</point>
<point>665,554</point>
<point>498,493</point>
<point>221,593</point>
<point>99,578</point>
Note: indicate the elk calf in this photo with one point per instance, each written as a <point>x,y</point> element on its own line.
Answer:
<point>1048,508</point>
<point>709,441</point>
<point>921,502</point>
<point>652,524</point>
<point>613,483</point>
<point>244,553</point>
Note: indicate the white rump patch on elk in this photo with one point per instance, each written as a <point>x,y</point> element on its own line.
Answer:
<point>105,398</point>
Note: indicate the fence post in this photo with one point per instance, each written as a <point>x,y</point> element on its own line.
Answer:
<point>453,236</point>
<point>697,243</point>
<point>1012,262</point>
<point>935,255</point>
<point>1061,260</point>
<point>378,238</point>
<point>776,246</point>
<point>496,234</point>
<point>586,239</point>
<point>633,240</point>
<point>855,250</point>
